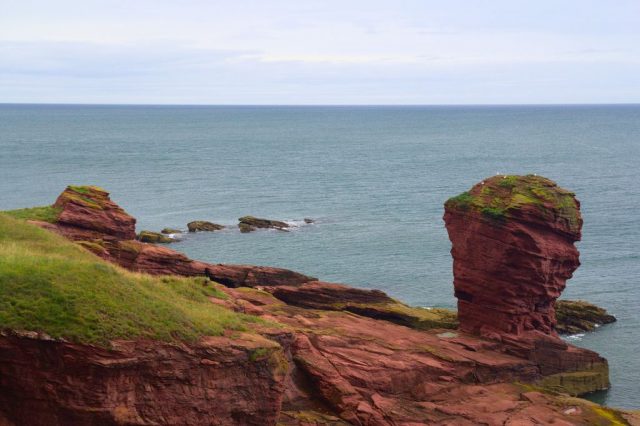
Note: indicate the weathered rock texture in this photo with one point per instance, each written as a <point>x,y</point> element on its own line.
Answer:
<point>89,208</point>
<point>578,316</point>
<point>250,223</point>
<point>219,381</point>
<point>338,355</point>
<point>154,237</point>
<point>513,250</point>
<point>203,225</point>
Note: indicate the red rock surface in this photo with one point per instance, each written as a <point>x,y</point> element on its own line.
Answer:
<point>218,381</point>
<point>341,368</point>
<point>89,208</point>
<point>513,250</point>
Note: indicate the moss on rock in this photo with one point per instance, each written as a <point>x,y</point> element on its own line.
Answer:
<point>499,197</point>
<point>154,238</point>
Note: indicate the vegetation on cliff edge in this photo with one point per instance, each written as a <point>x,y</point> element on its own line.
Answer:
<point>50,285</point>
<point>498,196</point>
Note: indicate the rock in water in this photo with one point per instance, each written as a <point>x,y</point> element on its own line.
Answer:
<point>169,231</point>
<point>513,250</point>
<point>203,225</point>
<point>250,223</point>
<point>154,237</point>
<point>578,316</point>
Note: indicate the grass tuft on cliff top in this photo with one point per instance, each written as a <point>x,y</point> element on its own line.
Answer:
<point>45,213</point>
<point>50,285</point>
<point>498,196</point>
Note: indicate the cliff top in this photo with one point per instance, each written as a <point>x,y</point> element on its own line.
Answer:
<point>51,285</point>
<point>499,198</point>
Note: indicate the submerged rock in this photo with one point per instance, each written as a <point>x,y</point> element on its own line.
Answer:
<point>169,231</point>
<point>203,226</point>
<point>578,316</point>
<point>250,223</point>
<point>308,220</point>
<point>154,238</point>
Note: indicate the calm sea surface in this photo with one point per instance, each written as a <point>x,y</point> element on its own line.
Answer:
<point>374,178</point>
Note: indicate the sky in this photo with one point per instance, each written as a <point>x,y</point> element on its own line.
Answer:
<point>310,52</point>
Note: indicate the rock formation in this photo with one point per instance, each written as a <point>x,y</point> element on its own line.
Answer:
<point>329,354</point>
<point>154,237</point>
<point>216,381</point>
<point>513,250</point>
<point>578,316</point>
<point>250,223</point>
<point>203,225</point>
<point>89,211</point>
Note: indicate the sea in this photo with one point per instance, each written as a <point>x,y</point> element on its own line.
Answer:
<point>373,178</point>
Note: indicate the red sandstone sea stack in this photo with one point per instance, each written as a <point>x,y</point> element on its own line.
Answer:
<point>513,251</point>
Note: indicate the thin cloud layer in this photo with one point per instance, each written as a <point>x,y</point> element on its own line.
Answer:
<point>312,52</point>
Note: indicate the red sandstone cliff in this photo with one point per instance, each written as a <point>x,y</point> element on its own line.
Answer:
<point>513,250</point>
<point>341,355</point>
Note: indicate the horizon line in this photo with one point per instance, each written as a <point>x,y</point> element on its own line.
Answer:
<point>316,105</point>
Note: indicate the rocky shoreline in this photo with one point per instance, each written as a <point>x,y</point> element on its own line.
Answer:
<point>329,354</point>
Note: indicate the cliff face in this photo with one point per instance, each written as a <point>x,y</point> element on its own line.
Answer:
<point>338,355</point>
<point>513,250</point>
<point>218,381</point>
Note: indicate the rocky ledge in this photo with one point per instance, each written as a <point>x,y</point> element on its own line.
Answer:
<point>328,354</point>
<point>250,223</point>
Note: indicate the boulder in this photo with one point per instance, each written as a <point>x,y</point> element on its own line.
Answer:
<point>169,231</point>
<point>578,316</point>
<point>250,223</point>
<point>203,225</point>
<point>154,237</point>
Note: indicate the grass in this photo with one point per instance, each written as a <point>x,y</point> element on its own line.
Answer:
<point>45,213</point>
<point>496,197</point>
<point>50,285</point>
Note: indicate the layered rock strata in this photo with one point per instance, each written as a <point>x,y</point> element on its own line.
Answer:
<point>513,251</point>
<point>336,355</point>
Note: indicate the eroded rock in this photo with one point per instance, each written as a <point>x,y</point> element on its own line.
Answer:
<point>250,223</point>
<point>154,238</point>
<point>203,226</point>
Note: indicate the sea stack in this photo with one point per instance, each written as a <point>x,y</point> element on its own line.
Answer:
<point>513,251</point>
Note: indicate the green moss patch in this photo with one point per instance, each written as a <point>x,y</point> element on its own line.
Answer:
<point>496,199</point>
<point>50,285</point>
<point>45,213</point>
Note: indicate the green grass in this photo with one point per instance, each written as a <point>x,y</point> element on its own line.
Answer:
<point>50,285</point>
<point>498,196</point>
<point>45,213</point>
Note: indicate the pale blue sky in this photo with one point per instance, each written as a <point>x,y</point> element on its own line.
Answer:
<point>320,52</point>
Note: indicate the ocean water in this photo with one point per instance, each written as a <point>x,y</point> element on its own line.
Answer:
<point>374,178</point>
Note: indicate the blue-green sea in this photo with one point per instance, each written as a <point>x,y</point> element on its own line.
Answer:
<point>374,179</point>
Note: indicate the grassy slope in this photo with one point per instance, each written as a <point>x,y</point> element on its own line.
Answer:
<point>45,213</point>
<point>51,285</point>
